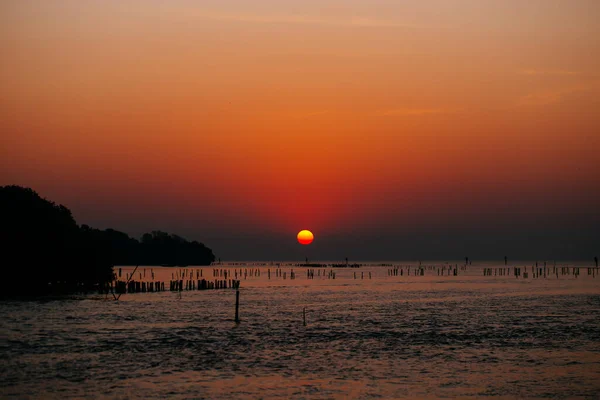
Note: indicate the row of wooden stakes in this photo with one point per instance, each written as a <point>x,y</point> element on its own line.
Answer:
<point>420,271</point>
<point>539,272</point>
<point>310,273</point>
<point>252,272</point>
<point>203,284</point>
<point>121,287</point>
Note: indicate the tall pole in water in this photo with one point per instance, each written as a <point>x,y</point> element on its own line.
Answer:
<point>237,306</point>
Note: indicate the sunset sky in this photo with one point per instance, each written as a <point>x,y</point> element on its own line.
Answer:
<point>391,129</point>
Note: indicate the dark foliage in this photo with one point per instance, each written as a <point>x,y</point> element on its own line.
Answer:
<point>161,248</point>
<point>119,247</point>
<point>44,251</point>
<point>156,248</point>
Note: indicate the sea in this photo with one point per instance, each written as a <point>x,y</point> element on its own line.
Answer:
<point>370,333</point>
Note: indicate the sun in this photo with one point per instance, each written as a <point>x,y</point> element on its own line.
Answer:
<point>305,237</point>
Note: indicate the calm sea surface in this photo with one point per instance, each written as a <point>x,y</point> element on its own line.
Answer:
<point>387,337</point>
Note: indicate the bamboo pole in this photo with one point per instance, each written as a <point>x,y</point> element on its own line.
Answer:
<point>237,306</point>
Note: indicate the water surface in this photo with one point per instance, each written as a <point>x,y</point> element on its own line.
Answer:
<point>387,337</point>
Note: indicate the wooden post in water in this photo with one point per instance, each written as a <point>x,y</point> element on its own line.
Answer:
<point>304,315</point>
<point>237,306</point>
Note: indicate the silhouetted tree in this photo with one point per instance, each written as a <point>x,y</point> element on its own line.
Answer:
<point>118,246</point>
<point>43,250</point>
<point>161,248</point>
<point>155,248</point>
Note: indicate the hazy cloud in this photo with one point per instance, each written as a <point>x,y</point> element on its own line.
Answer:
<point>551,72</point>
<point>549,96</point>
<point>305,19</point>
<point>309,114</point>
<point>412,112</point>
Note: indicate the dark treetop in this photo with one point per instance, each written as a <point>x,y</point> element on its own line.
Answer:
<point>43,250</point>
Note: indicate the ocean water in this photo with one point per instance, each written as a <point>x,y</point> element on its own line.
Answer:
<point>465,336</point>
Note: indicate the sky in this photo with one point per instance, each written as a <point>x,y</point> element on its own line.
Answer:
<point>393,130</point>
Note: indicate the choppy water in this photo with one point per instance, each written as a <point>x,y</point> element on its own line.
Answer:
<point>388,337</point>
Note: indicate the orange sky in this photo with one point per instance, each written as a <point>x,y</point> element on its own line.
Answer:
<point>219,119</point>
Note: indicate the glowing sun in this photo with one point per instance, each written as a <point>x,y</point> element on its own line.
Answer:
<point>305,237</point>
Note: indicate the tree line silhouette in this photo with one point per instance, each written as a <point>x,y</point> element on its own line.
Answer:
<point>155,248</point>
<point>45,251</point>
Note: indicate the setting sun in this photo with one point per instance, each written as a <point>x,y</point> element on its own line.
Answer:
<point>305,237</point>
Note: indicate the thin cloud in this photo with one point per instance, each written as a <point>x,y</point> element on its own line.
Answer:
<point>412,112</point>
<point>551,72</point>
<point>540,99</point>
<point>309,114</point>
<point>305,19</point>
<point>548,97</point>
